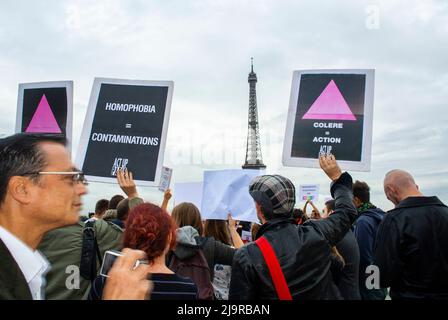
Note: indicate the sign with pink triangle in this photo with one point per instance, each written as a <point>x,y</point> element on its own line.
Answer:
<point>330,105</point>
<point>46,108</point>
<point>330,111</point>
<point>43,120</point>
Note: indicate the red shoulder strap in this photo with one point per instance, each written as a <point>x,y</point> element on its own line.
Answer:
<point>278,278</point>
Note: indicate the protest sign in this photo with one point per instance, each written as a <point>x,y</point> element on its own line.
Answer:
<point>227,191</point>
<point>330,111</point>
<point>46,107</point>
<point>246,236</point>
<point>165,179</point>
<point>125,127</point>
<point>308,192</point>
<point>188,192</point>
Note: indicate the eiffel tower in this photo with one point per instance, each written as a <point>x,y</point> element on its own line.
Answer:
<point>253,148</point>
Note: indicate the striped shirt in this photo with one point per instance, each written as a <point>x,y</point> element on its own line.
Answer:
<point>165,287</point>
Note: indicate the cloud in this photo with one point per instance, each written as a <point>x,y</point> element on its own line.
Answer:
<point>205,47</point>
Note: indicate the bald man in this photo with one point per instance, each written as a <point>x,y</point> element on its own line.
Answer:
<point>399,185</point>
<point>411,249</point>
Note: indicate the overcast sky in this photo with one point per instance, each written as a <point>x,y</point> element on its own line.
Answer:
<point>205,48</point>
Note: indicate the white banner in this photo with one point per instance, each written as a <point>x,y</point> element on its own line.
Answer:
<point>227,191</point>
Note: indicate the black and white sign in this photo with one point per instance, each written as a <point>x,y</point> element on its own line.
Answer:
<point>45,107</point>
<point>125,127</point>
<point>330,111</point>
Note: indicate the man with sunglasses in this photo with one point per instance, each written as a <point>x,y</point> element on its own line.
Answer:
<point>40,190</point>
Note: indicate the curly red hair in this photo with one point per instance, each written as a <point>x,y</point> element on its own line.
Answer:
<point>148,228</point>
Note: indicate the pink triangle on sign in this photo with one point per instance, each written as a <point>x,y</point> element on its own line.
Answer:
<point>43,120</point>
<point>330,105</point>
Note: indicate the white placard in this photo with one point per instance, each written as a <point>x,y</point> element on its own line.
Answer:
<point>165,179</point>
<point>246,236</point>
<point>227,191</point>
<point>309,192</point>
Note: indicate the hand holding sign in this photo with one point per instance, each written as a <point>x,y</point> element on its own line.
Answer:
<point>236,239</point>
<point>330,166</point>
<point>166,198</point>
<point>127,184</point>
<point>231,222</point>
<point>167,195</point>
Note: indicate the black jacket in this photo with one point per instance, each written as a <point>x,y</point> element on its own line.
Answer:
<point>365,232</point>
<point>303,252</point>
<point>13,285</point>
<point>412,249</point>
<point>348,278</point>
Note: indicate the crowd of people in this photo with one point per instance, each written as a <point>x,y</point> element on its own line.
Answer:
<point>350,249</point>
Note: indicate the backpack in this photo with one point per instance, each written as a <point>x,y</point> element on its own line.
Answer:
<point>196,268</point>
<point>89,252</point>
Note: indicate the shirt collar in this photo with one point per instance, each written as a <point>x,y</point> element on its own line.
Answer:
<point>418,202</point>
<point>31,262</point>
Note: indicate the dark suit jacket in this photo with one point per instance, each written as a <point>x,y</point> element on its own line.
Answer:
<point>13,285</point>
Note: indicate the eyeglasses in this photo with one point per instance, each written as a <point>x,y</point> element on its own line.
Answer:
<point>77,176</point>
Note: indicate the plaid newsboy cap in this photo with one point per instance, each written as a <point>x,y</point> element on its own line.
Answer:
<point>274,193</point>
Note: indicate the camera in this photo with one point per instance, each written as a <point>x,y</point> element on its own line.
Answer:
<point>109,258</point>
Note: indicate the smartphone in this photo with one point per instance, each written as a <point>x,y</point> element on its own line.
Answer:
<point>108,261</point>
<point>109,258</point>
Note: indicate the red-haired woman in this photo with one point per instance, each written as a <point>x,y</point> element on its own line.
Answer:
<point>152,230</point>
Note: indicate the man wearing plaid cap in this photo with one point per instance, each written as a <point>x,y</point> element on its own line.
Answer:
<point>303,252</point>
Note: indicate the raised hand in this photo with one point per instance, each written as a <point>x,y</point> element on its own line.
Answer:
<point>330,166</point>
<point>167,195</point>
<point>236,239</point>
<point>231,222</point>
<point>166,198</point>
<point>127,184</point>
